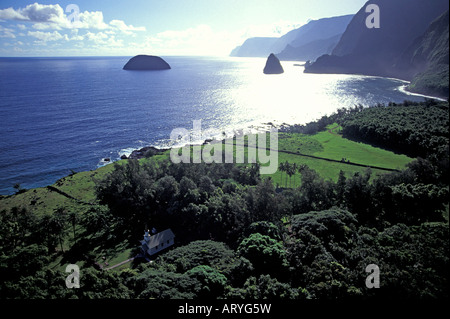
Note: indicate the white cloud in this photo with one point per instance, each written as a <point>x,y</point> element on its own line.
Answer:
<point>75,36</point>
<point>90,20</point>
<point>6,33</point>
<point>46,26</point>
<point>11,14</point>
<point>46,17</point>
<point>103,39</point>
<point>127,29</point>
<point>200,40</point>
<point>35,13</point>
<point>98,37</point>
<point>21,26</point>
<point>47,36</point>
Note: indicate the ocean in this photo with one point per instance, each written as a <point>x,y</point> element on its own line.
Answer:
<point>69,113</point>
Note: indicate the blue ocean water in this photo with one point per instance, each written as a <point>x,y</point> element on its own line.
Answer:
<point>63,114</point>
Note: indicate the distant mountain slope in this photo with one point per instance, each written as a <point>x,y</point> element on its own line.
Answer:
<point>375,51</point>
<point>426,61</point>
<point>254,47</point>
<point>309,51</point>
<point>312,31</point>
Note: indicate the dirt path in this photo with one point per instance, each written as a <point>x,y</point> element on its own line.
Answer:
<point>120,264</point>
<point>331,130</point>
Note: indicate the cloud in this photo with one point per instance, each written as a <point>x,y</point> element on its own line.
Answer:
<point>35,13</point>
<point>199,40</point>
<point>96,37</point>
<point>11,14</point>
<point>127,29</point>
<point>75,36</point>
<point>46,26</point>
<point>53,17</point>
<point>103,39</point>
<point>6,33</point>
<point>47,36</point>
<point>90,20</point>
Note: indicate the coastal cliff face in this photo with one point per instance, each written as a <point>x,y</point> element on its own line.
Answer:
<point>309,51</point>
<point>427,60</point>
<point>376,51</point>
<point>254,47</point>
<point>391,50</point>
<point>146,62</point>
<point>273,65</point>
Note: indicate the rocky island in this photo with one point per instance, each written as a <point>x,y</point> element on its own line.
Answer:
<point>146,62</point>
<point>273,65</point>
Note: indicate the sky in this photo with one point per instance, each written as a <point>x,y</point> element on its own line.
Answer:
<point>162,27</point>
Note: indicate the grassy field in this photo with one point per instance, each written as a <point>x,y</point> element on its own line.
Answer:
<point>331,145</point>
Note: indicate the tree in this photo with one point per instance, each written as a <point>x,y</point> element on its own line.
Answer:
<point>266,287</point>
<point>206,185</point>
<point>226,218</point>
<point>358,196</point>
<point>212,282</point>
<point>129,192</point>
<point>98,220</point>
<point>159,284</point>
<point>267,255</point>
<point>294,170</point>
<point>265,228</point>
<point>166,190</point>
<point>282,168</point>
<point>57,225</point>
<point>200,252</point>
<point>290,172</point>
<point>314,193</point>
<point>263,202</point>
<point>340,188</point>
<point>73,218</point>
<point>18,188</point>
<point>16,227</point>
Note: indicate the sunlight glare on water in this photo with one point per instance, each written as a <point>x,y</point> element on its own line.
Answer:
<point>293,97</point>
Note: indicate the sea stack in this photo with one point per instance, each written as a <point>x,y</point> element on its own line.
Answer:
<point>146,62</point>
<point>273,65</point>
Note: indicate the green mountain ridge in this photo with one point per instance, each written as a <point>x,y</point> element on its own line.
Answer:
<point>429,57</point>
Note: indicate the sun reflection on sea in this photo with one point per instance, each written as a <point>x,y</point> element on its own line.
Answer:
<point>291,97</point>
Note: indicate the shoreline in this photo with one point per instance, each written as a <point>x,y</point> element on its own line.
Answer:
<point>140,152</point>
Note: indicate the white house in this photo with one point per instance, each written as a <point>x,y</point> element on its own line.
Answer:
<point>153,244</point>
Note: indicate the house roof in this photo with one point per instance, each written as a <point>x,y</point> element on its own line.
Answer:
<point>160,237</point>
